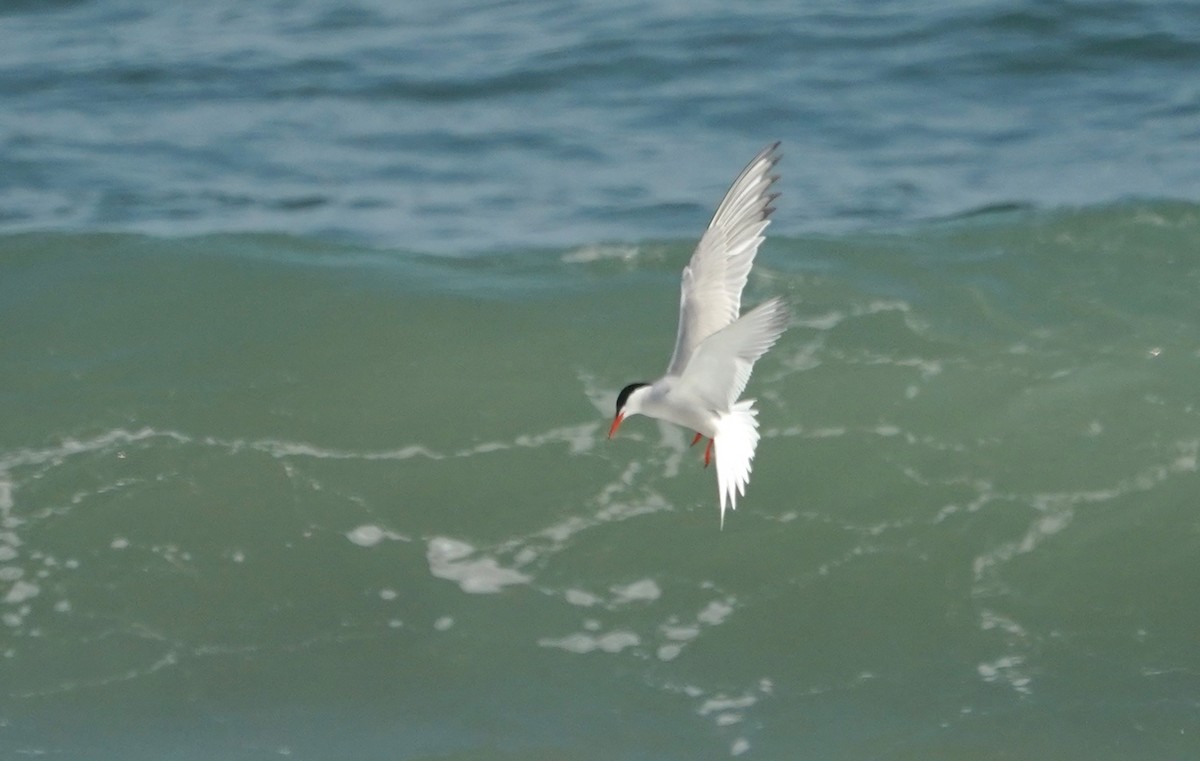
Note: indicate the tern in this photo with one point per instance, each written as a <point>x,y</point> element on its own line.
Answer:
<point>716,346</point>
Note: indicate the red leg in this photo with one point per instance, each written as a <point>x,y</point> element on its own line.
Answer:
<point>708,453</point>
<point>697,438</point>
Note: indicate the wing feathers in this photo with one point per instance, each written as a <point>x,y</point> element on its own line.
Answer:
<point>721,365</point>
<point>713,281</point>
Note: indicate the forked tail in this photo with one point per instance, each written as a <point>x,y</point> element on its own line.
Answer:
<point>735,442</point>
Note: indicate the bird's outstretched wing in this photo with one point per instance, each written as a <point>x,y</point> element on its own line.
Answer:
<point>721,365</point>
<point>711,293</point>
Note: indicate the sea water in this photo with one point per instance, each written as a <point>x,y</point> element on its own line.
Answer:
<point>313,317</point>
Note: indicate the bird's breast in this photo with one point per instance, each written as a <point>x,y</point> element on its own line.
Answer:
<point>674,405</point>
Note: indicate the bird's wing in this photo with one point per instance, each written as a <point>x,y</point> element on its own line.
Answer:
<point>721,365</point>
<point>711,293</point>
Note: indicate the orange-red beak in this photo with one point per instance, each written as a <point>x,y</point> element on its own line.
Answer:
<point>616,424</point>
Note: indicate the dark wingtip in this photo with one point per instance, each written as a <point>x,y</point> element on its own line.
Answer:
<point>773,152</point>
<point>768,209</point>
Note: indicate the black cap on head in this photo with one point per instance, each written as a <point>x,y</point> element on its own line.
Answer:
<point>625,392</point>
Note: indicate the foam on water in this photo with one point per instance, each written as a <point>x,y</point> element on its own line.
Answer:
<point>452,559</point>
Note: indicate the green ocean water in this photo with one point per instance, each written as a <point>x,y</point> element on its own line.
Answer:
<point>267,496</point>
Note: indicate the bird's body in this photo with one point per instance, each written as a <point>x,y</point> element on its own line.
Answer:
<point>716,346</point>
<point>669,399</point>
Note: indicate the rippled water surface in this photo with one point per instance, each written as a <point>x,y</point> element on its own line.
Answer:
<point>314,315</point>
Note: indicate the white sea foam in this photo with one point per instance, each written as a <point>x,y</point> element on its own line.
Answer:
<point>21,591</point>
<point>669,652</point>
<point>582,642</point>
<point>716,612</point>
<point>579,438</point>
<point>989,619</point>
<point>595,253</point>
<point>453,560</point>
<point>369,535</point>
<point>644,590</point>
<point>679,634</point>
<point>724,703</point>
<point>70,447</point>
<point>1009,669</point>
<point>581,598</point>
<point>282,448</point>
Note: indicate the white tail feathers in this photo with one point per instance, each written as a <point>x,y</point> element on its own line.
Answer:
<point>734,445</point>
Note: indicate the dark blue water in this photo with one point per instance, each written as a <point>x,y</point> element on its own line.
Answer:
<point>465,127</point>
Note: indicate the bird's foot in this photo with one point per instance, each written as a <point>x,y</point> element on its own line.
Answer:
<point>695,439</point>
<point>708,453</point>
